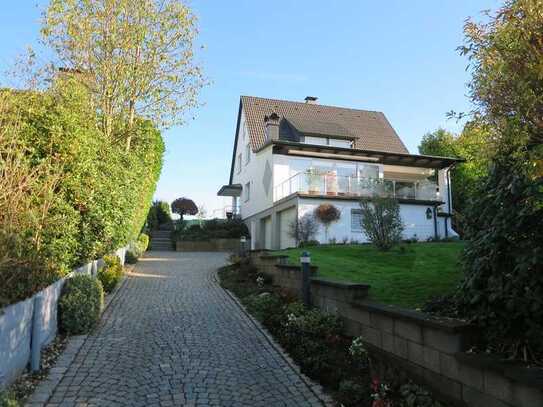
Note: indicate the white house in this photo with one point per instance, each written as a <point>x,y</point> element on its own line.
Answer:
<point>290,157</point>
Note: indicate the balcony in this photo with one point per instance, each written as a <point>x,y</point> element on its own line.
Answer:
<point>341,186</point>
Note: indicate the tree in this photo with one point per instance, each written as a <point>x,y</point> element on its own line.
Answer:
<point>303,229</point>
<point>159,214</point>
<point>381,221</point>
<point>502,289</point>
<point>184,206</point>
<point>475,146</point>
<point>327,214</point>
<point>136,57</point>
<point>439,143</point>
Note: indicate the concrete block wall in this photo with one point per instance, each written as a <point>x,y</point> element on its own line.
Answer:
<point>19,320</point>
<point>213,245</point>
<point>431,350</point>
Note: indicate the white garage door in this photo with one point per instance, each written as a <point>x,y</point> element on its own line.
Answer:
<point>286,217</point>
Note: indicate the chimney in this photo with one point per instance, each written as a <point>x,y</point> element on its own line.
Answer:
<point>311,100</point>
<point>271,124</point>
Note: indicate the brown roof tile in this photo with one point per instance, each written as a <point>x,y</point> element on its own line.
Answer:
<point>371,130</point>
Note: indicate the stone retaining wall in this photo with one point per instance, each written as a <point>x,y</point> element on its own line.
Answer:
<point>431,350</point>
<point>213,245</point>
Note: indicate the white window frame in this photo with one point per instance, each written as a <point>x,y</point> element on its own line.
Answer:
<point>247,191</point>
<point>326,141</point>
<point>247,154</point>
<point>358,228</point>
<point>238,164</point>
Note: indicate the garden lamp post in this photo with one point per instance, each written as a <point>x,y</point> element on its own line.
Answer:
<point>305,261</point>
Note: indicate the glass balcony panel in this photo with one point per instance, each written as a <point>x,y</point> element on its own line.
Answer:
<point>331,184</point>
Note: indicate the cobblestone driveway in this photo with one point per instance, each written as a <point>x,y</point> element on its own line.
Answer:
<point>172,336</point>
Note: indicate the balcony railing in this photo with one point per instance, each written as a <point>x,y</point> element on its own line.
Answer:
<point>335,185</point>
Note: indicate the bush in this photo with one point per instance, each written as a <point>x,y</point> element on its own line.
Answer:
<point>76,194</point>
<point>304,229</point>
<point>381,221</point>
<point>7,399</point>
<point>267,308</point>
<point>213,229</point>
<point>111,273</point>
<point>80,304</point>
<point>130,257</point>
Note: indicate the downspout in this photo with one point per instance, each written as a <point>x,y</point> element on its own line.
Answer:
<point>449,198</point>
<point>435,222</point>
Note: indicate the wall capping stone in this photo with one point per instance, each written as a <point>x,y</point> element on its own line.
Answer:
<point>445,324</point>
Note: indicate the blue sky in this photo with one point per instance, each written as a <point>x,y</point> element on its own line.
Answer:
<point>396,56</point>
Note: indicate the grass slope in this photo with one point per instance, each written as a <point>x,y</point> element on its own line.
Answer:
<point>406,276</point>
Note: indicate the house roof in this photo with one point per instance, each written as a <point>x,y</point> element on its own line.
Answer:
<point>370,130</point>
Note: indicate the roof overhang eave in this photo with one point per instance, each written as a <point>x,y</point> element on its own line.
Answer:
<point>383,157</point>
<point>233,190</point>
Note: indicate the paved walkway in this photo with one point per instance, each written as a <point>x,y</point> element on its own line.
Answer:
<point>172,336</point>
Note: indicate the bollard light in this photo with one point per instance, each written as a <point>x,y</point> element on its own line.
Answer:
<point>242,239</point>
<point>305,258</point>
<point>305,261</point>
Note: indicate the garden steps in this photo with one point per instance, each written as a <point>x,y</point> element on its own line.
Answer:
<point>161,240</point>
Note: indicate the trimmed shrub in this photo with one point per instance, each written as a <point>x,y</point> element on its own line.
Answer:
<point>143,243</point>
<point>130,257</point>
<point>73,194</point>
<point>80,304</point>
<point>111,273</point>
<point>213,229</point>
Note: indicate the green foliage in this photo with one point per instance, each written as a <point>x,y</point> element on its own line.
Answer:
<point>7,399</point>
<point>130,257</point>
<point>111,273</point>
<point>406,278</point>
<point>80,304</point>
<point>159,215</point>
<point>413,395</point>
<point>99,194</point>
<point>503,287</point>
<point>213,229</point>
<point>381,221</point>
<point>475,146</point>
<point>352,393</point>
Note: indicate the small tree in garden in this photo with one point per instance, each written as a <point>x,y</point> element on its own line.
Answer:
<point>381,221</point>
<point>303,229</point>
<point>159,214</point>
<point>327,214</point>
<point>184,206</point>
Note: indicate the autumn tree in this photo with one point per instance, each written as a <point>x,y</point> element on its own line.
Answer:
<point>136,57</point>
<point>184,206</point>
<point>503,286</point>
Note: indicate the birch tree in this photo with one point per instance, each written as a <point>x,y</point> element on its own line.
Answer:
<point>136,56</point>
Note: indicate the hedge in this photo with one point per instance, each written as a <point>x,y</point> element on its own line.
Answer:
<point>88,196</point>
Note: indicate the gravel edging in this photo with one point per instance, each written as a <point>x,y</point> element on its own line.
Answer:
<point>45,389</point>
<point>315,388</point>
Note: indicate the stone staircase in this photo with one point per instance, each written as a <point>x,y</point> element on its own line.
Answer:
<point>161,240</point>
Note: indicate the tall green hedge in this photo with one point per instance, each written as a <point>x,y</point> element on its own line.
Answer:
<point>102,195</point>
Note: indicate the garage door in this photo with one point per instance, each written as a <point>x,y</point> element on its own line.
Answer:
<point>286,218</point>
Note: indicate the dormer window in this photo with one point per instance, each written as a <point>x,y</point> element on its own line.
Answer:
<point>328,141</point>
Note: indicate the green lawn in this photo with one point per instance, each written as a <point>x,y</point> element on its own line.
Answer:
<point>406,277</point>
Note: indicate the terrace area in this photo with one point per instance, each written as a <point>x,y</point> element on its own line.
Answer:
<point>331,184</point>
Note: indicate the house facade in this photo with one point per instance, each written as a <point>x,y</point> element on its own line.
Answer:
<point>290,157</point>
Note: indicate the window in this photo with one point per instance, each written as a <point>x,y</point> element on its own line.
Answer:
<point>247,154</point>
<point>238,164</point>
<point>247,191</point>
<point>356,220</point>
<point>327,141</point>
<point>319,141</point>
<point>339,143</point>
